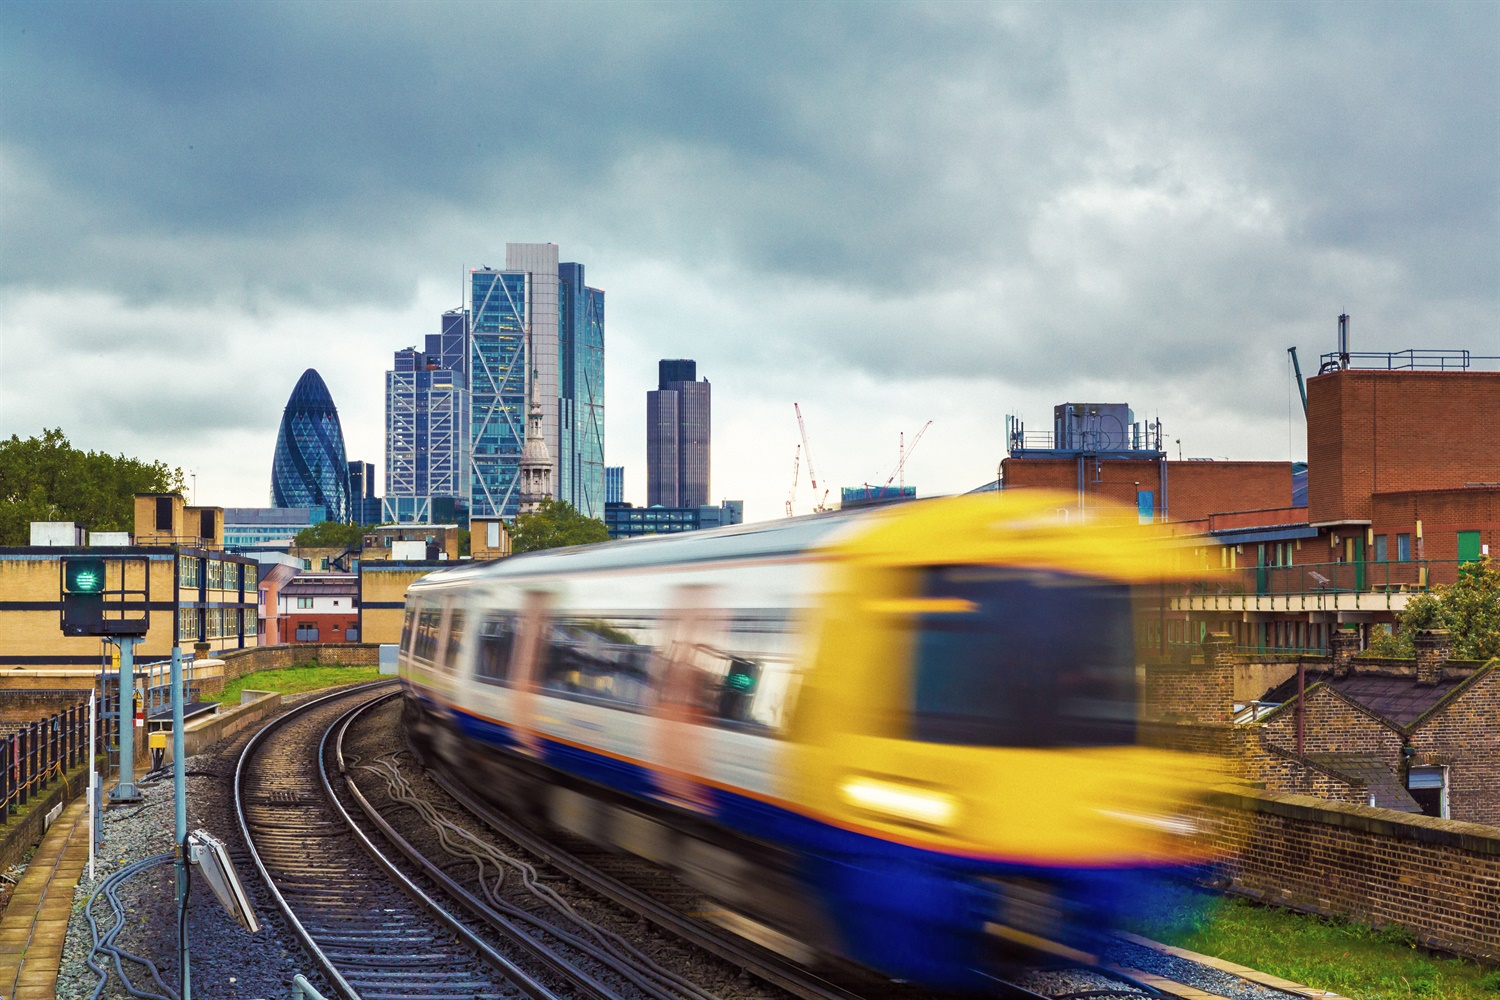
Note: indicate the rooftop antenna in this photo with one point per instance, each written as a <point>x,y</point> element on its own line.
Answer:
<point>1343,340</point>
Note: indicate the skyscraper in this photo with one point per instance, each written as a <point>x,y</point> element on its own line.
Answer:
<point>536,321</point>
<point>678,429</point>
<point>364,505</point>
<point>614,484</point>
<point>310,468</point>
<point>426,435</point>
<point>580,431</point>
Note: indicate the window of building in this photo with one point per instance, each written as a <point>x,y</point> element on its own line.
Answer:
<point>187,624</point>
<point>351,634</point>
<point>1380,549</point>
<point>304,603</point>
<point>1429,786</point>
<point>323,563</point>
<point>163,513</point>
<point>1403,548</point>
<point>307,632</point>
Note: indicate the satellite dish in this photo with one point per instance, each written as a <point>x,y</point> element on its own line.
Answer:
<point>208,853</point>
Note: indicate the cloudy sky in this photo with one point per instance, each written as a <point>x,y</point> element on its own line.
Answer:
<point>888,213</point>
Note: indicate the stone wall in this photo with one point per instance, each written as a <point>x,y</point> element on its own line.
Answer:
<point>1439,879</point>
<point>341,654</point>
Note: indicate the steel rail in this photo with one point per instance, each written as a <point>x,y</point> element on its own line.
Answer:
<point>476,906</point>
<point>475,948</point>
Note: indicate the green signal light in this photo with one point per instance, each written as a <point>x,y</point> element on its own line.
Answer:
<point>85,576</point>
<point>741,682</point>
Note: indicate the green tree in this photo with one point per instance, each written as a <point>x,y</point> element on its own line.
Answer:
<point>1469,610</point>
<point>330,535</point>
<point>555,525</point>
<point>47,479</point>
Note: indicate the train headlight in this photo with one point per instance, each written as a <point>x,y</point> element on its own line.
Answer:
<point>900,801</point>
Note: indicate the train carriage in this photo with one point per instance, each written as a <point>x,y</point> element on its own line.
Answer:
<point>902,737</point>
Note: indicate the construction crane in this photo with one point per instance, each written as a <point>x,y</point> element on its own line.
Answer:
<point>791,497</point>
<point>1300,386</point>
<point>905,453</point>
<point>820,505</point>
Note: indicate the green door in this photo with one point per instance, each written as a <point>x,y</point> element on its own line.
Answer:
<point>1262,578</point>
<point>1359,563</point>
<point>1468,546</point>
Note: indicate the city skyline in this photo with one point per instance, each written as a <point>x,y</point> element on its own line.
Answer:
<point>1122,203</point>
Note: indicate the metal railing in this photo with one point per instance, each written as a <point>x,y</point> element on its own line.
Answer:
<point>1436,359</point>
<point>41,751</point>
<point>1357,577</point>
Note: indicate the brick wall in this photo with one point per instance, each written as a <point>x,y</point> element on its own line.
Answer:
<point>1443,513</point>
<point>1464,734</point>
<point>1436,878</point>
<point>33,706</point>
<point>1382,431</point>
<point>1332,724</point>
<point>1194,489</point>
<point>240,662</point>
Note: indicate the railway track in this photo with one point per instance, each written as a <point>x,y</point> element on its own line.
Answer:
<point>371,938</point>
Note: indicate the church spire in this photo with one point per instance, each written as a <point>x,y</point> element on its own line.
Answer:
<point>536,460</point>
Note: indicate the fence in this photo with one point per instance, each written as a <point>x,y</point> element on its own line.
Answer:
<point>1352,577</point>
<point>36,752</point>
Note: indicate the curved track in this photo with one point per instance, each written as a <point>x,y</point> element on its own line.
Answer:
<point>371,937</point>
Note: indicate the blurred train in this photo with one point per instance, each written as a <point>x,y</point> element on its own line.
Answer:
<point>905,737</point>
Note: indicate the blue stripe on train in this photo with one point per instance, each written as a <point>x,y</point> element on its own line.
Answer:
<point>909,912</point>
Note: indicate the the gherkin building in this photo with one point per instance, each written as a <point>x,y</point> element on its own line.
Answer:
<point>310,469</point>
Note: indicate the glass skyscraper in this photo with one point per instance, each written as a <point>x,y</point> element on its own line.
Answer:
<point>678,432</point>
<point>426,433</point>
<point>614,484</point>
<point>310,468</point>
<point>535,321</point>
<point>499,320</point>
<point>580,370</point>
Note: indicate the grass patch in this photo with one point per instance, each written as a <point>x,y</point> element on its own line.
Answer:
<point>1324,953</point>
<point>291,680</point>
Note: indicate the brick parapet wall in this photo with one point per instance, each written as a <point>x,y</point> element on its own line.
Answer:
<point>1437,878</point>
<point>344,654</point>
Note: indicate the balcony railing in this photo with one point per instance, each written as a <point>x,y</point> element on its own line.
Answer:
<point>1358,577</point>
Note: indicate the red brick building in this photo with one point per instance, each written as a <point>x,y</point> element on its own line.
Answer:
<point>319,607</point>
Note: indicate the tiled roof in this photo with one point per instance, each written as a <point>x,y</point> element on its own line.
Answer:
<point>1400,699</point>
<point>1384,784</point>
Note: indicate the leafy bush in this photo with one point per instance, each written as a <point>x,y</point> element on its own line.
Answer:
<point>1469,610</point>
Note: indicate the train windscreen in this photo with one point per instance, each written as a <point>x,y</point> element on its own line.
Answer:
<point>1023,658</point>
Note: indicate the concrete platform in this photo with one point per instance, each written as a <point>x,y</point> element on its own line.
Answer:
<point>36,918</point>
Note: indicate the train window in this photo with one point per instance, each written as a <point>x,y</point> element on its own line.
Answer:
<point>455,638</point>
<point>497,638</point>
<point>1036,659</point>
<point>604,658</point>
<point>751,680</point>
<point>408,623</point>
<point>424,644</point>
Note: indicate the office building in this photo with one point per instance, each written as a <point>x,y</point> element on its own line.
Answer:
<point>614,484</point>
<point>678,428</point>
<point>534,322</point>
<point>624,520</point>
<point>580,351</point>
<point>248,527</point>
<point>364,505</point>
<point>426,434</point>
<point>310,468</point>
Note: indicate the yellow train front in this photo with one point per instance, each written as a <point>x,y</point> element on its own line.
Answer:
<point>906,737</point>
